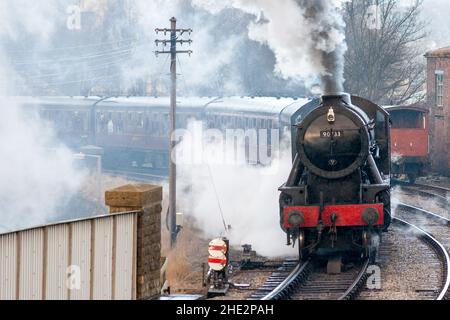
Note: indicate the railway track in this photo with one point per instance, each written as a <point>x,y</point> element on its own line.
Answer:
<point>438,247</point>
<point>444,192</point>
<point>306,281</point>
<point>442,195</point>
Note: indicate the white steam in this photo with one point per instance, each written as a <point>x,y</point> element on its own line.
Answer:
<point>29,17</point>
<point>307,37</point>
<point>210,56</point>
<point>436,13</point>
<point>246,196</point>
<point>36,172</point>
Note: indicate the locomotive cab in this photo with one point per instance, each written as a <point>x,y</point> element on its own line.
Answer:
<point>336,200</point>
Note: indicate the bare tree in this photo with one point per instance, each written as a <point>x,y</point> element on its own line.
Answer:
<point>384,60</point>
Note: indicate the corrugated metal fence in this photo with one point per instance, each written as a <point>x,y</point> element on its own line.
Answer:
<point>76,260</point>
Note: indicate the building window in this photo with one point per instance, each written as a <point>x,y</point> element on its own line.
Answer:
<point>439,88</point>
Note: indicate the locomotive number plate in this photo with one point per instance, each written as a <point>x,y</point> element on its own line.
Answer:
<point>334,133</point>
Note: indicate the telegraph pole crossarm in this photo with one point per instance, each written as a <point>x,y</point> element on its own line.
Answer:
<point>174,41</point>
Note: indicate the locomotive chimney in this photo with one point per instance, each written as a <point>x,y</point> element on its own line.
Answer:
<point>336,99</point>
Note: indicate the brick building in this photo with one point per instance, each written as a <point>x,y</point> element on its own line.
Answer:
<point>438,101</point>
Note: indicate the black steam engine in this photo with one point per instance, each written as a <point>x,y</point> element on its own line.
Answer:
<point>336,201</point>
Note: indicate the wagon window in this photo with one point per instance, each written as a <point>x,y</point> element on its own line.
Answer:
<point>407,119</point>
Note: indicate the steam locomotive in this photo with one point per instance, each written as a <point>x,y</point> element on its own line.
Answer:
<point>336,201</point>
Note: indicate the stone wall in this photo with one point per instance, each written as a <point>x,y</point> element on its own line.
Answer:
<point>148,200</point>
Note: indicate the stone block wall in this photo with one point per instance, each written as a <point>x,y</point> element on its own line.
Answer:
<point>148,200</point>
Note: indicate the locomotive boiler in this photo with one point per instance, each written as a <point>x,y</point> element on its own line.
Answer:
<point>336,201</point>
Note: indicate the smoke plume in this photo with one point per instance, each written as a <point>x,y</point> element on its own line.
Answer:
<point>307,37</point>
<point>221,189</point>
<point>436,13</point>
<point>37,172</point>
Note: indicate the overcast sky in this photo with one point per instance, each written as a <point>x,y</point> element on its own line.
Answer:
<point>437,15</point>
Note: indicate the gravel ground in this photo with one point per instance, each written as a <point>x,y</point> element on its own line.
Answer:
<point>424,202</point>
<point>404,276</point>
<point>254,278</point>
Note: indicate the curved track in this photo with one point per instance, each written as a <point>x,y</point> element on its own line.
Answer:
<point>307,282</point>
<point>437,225</point>
<point>439,249</point>
<point>442,195</point>
<point>441,191</point>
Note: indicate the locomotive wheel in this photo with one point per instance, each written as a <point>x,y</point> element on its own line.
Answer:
<point>301,245</point>
<point>385,198</point>
<point>370,246</point>
<point>366,241</point>
<point>387,220</point>
<point>373,253</point>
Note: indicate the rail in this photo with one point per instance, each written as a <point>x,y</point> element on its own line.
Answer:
<point>440,251</point>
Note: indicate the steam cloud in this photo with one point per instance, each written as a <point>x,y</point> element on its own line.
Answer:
<point>436,13</point>
<point>246,195</point>
<point>212,53</point>
<point>36,172</point>
<point>307,37</point>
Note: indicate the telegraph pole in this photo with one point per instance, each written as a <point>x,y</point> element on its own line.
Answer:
<point>174,34</point>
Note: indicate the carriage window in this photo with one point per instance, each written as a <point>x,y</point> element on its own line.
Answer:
<point>239,123</point>
<point>407,119</point>
<point>119,121</point>
<point>77,121</point>
<point>439,88</point>
<point>165,125</point>
<point>140,120</point>
<point>102,122</point>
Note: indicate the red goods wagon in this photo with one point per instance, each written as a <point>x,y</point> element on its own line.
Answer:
<point>410,141</point>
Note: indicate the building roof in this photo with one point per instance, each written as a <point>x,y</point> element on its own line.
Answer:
<point>251,105</point>
<point>438,53</point>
